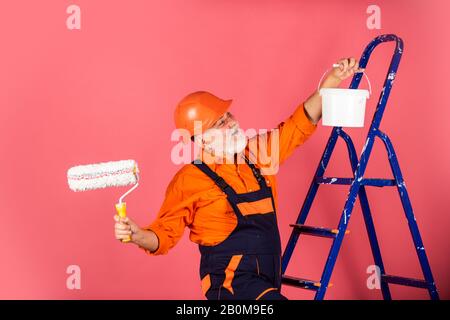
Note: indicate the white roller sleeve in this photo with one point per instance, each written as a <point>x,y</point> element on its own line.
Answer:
<point>102,175</point>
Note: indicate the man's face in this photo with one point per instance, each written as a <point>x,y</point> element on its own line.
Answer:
<point>225,137</point>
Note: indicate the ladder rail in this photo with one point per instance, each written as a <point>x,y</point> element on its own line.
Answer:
<point>323,163</point>
<point>409,213</point>
<point>365,208</point>
<point>357,184</point>
<point>365,154</point>
<point>304,211</point>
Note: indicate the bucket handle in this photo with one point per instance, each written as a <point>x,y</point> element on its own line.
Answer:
<point>335,65</point>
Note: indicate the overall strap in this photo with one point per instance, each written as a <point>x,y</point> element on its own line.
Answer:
<point>257,173</point>
<point>219,181</point>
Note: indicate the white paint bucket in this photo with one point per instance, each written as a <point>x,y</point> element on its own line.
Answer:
<point>344,107</point>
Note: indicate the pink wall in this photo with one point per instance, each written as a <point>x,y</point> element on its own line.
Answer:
<point>107,92</point>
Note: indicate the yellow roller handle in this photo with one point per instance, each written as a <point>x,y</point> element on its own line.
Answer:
<point>122,212</point>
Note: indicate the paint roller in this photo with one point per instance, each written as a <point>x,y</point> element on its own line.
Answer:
<point>104,175</point>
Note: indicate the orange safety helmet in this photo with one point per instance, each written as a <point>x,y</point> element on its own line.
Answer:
<point>199,106</point>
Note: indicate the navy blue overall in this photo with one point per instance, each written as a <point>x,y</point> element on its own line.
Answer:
<point>247,264</point>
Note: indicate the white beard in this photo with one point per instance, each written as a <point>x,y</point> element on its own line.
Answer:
<point>234,142</point>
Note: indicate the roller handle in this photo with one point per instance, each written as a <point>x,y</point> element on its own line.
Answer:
<point>122,212</point>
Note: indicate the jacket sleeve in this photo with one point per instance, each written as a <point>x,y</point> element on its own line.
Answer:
<point>275,146</point>
<point>175,214</point>
<point>294,132</point>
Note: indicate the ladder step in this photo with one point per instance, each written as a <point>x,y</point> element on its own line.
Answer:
<point>419,283</point>
<point>316,231</point>
<point>348,181</point>
<point>300,283</point>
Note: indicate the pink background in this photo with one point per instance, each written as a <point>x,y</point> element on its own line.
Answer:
<point>108,91</point>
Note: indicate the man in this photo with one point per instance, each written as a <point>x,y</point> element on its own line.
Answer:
<point>228,203</point>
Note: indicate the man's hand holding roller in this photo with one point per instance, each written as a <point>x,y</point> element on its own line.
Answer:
<point>126,227</point>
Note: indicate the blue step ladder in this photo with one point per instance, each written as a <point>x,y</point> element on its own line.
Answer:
<point>358,188</point>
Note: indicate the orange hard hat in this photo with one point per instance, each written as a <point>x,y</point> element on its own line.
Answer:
<point>199,106</point>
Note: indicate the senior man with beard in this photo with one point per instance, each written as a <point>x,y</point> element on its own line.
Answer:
<point>226,198</point>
